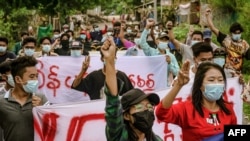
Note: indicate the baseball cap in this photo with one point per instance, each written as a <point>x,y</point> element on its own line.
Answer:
<point>65,26</point>
<point>207,33</point>
<point>76,44</point>
<point>163,35</point>
<point>135,96</point>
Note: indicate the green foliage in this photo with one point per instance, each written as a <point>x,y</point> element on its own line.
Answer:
<point>13,23</point>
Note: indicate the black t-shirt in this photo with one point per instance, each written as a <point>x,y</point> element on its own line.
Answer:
<point>94,82</point>
<point>96,35</point>
<point>9,55</point>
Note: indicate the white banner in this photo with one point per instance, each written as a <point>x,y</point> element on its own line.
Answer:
<point>84,121</point>
<point>56,74</point>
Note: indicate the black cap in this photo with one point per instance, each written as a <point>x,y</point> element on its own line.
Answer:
<point>95,26</point>
<point>220,52</point>
<point>76,44</point>
<point>135,96</point>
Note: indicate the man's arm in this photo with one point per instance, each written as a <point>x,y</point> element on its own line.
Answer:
<point>127,44</point>
<point>149,51</point>
<point>108,49</point>
<point>210,22</point>
<point>78,78</point>
<point>247,55</point>
<point>173,66</point>
<point>176,43</point>
<point>105,29</point>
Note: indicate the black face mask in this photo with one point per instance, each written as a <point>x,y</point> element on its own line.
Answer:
<point>65,43</point>
<point>144,120</point>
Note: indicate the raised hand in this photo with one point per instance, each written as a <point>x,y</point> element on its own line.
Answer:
<point>208,12</point>
<point>150,23</point>
<point>36,101</point>
<point>183,76</point>
<point>85,63</point>
<point>109,49</point>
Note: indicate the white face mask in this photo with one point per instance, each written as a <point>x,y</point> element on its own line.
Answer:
<point>129,31</point>
<point>194,42</point>
<point>3,48</point>
<point>109,33</point>
<point>56,35</point>
<point>163,45</point>
<point>236,37</point>
<point>10,80</point>
<point>97,29</point>
<point>46,48</point>
<point>29,52</point>
<point>31,86</point>
<point>75,53</point>
<point>220,61</point>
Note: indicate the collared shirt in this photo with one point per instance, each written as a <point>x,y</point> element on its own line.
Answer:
<point>149,51</point>
<point>17,120</point>
<point>2,90</point>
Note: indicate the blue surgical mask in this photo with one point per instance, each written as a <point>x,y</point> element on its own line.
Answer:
<point>75,53</point>
<point>46,48</point>
<point>163,45</point>
<point>83,36</point>
<point>194,42</point>
<point>213,92</point>
<point>29,52</point>
<point>10,80</point>
<point>236,37</point>
<point>220,61</point>
<point>137,41</point>
<point>31,86</point>
<point>3,49</point>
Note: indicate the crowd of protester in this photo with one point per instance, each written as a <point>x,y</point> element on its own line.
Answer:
<point>204,64</point>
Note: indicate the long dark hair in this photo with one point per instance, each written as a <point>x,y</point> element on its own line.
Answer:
<point>196,91</point>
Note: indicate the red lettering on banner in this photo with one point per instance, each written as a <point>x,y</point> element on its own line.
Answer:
<point>67,84</point>
<point>40,73</point>
<point>49,127</point>
<point>168,133</point>
<point>138,81</point>
<point>230,92</point>
<point>77,123</point>
<point>55,83</point>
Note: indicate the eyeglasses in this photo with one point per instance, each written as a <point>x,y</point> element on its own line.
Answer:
<point>141,107</point>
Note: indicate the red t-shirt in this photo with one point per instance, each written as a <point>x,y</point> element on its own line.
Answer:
<point>194,127</point>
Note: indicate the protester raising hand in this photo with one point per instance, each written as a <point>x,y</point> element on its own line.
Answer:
<point>150,23</point>
<point>85,63</point>
<point>204,114</point>
<point>85,66</point>
<point>109,49</point>
<point>183,76</point>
